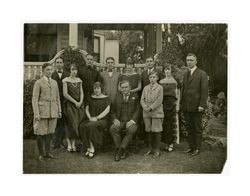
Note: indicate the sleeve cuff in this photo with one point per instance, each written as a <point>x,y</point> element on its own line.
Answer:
<point>133,121</point>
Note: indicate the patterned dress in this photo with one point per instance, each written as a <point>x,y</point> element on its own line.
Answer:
<point>170,132</point>
<point>73,115</point>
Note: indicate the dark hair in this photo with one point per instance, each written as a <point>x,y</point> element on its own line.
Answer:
<point>153,72</point>
<point>98,85</point>
<point>73,65</point>
<point>169,65</point>
<point>45,65</point>
<point>59,58</point>
<point>124,81</point>
<point>110,58</point>
<point>191,54</point>
<point>89,54</point>
<point>149,57</point>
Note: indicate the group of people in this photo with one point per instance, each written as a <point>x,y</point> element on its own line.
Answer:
<point>81,103</point>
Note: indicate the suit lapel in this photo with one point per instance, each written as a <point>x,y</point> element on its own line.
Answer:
<point>46,82</point>
<point>190,78</point>
<point>119,102</point>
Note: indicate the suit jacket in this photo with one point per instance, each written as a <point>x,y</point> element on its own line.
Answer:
<point>110,84</point>
<point>56,77</point>
<point>152,98</point>
<point>89,76</point>
<point>195,91</point>
<point>46,99</point>
<point>133,107</point>
<point>144,77</point>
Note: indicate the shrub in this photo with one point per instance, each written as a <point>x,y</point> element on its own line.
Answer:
<point>27,109</point>
<point>73,55</point>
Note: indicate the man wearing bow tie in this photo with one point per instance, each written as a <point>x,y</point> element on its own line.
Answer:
<point>110,79</point>
<point>124,115</point>
<point>59,74</point>
<point>194,102</point>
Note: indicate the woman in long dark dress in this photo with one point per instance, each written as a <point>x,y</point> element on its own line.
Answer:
<point>74,107</point>
<point>171,101</point>
<point>91,130</point>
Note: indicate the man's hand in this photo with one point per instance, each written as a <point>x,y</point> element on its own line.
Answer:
<point>147,109</point>
<point>60,115</point>
<point>117,123</point>
<point>37,118</point>
<point>129,123</point>
<point>200,109</point>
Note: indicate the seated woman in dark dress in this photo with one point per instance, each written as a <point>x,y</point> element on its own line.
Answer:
<point>91,130</point>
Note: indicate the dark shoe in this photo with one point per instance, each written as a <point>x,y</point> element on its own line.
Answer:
<point>41,158</point>
<point>124,154</point>
<point>50,156</point>
<point>156,154</point>
<point>149,152</point>
<point>189,150</point>
<point>195,152</point>
<point>117,156</point>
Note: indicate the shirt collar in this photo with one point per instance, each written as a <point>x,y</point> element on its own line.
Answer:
<point>46,78</point>
<point>193,69</point>
<point>58,71</point>
<point>150,70</point>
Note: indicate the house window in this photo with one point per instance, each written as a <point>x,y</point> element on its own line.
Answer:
<point>40,42</point>
<point>97,49</point>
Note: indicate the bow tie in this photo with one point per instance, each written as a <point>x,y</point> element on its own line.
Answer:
<point>59,71</point>
<point>110,70</point>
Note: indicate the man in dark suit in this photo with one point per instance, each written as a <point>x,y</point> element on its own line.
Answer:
<point>124,115</point>
<point>89,75</point>
<point>150,67</point>
<point>194,102</point>
<point>59,74</point>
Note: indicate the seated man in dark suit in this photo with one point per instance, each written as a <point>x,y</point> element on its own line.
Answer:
<point>124,115</point>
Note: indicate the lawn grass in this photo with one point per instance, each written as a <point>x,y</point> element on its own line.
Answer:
<point>211,160</point>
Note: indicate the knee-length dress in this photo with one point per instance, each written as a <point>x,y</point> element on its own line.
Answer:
<point>170,132</point>
<point>93,131</point>
<point>73,115</point>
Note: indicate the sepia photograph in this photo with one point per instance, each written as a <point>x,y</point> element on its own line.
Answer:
<point>125,98</point>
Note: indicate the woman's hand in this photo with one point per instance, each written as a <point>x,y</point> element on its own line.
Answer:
<point>78,104</point>
<point>117,123</point>
<point>93,119</point>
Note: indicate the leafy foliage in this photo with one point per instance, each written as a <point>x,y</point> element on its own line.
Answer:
<point>207,41</point>
<point>27,108</point>
<point>73,55</point>
<point>130,44</point>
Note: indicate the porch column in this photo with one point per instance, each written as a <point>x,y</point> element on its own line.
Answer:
<point>73,34</point>
<point>158,38</point>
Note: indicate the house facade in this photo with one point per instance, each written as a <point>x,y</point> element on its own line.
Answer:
<point>42,42</point>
